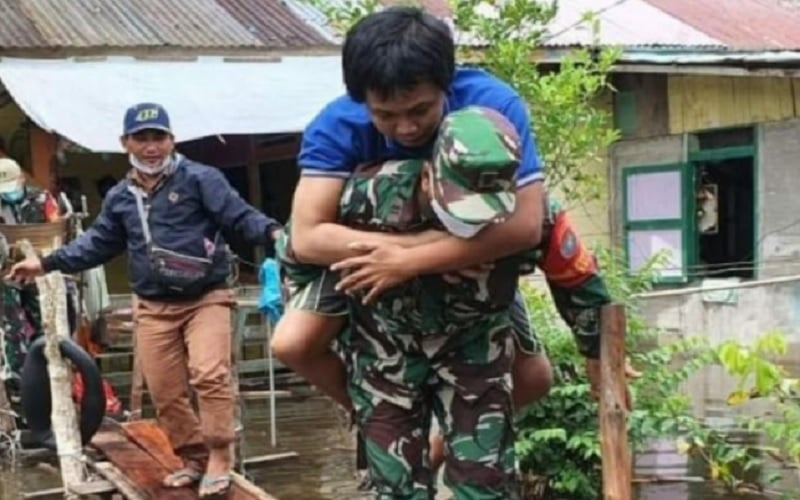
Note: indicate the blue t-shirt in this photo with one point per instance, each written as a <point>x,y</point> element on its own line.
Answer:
<point>342,135</point>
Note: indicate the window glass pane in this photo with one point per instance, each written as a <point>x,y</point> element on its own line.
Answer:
<point>644,244</point>
<point>654,196</point>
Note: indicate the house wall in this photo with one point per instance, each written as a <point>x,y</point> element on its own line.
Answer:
<point>779,217</point>
<point>696,103</point>
<point>750,313</point>
<point>704,102</point>
<point>11,117</point>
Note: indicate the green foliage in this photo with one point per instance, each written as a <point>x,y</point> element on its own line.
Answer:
<point>345,13</point>
<point>558,437</point>
<point>760,378</point>
<point>572,129</point>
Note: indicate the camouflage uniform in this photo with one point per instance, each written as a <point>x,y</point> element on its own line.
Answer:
<point>421,346</point>
<point>22,320</point>
<point>572,275</point>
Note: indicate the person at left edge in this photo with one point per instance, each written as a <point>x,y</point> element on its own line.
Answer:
<point>169,212</point>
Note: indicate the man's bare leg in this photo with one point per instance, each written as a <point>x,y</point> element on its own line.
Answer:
<point>533,377</point>
<point>302,341</point>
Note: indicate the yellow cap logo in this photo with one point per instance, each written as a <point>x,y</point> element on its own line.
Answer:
<point>147,115</point>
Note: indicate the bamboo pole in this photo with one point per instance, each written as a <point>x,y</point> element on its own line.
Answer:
<point>615,453</point>
<point>53,304</point>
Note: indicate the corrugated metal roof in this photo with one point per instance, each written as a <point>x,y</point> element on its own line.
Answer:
<point>83,23</point>
<point>628,23</point>
<point>193,23</point>
<point>293,24</point>
<point>182,24</point>
<point>16,30</point>
<point>273,23</point>
<point>625,23</point>
<point>121,23</point>
<point>313,16</point>
<point>740,24</point>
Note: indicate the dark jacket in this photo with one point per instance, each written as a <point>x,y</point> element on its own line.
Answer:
<point>192,204</point>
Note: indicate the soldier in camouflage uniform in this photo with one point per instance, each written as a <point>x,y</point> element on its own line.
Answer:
<point>21,204</point>
<point>433,347</point>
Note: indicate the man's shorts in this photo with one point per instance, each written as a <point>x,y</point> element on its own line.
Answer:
<point>527,340</point>
<point>320,296</point>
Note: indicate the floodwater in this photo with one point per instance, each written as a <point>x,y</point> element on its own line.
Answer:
<point>325,466</point>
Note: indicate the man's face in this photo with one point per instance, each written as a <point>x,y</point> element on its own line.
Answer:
<point>150,147</point>
<point>410,117</point>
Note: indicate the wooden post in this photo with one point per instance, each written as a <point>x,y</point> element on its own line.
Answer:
<point>616,455</point>
<point>137,378</point>
<point>238,420</point>
<point>53,303</point>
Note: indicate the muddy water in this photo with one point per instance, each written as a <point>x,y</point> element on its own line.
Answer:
<point>324,469</point>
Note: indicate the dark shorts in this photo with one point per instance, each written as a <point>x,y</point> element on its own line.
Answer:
<point>319,296</point>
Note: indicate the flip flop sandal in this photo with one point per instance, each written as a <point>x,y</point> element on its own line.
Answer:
<point>182,478</point>
<point>215,487</point>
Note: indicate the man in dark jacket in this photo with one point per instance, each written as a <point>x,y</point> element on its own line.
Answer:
<point>169,213</point>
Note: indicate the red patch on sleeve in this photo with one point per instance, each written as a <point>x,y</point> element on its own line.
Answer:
<point>567,262</point>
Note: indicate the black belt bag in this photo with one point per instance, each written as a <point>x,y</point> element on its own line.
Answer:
<point>177,272</point>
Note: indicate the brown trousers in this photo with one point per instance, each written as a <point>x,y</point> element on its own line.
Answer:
<point>188,344</point>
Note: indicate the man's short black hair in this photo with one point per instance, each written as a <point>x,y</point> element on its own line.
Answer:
<point>397,49</point>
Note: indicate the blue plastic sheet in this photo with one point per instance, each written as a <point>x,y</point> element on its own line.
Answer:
<point>269,301</point>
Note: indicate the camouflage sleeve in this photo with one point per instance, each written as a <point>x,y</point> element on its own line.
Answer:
<point>574,279</point>
<point>579,307</point>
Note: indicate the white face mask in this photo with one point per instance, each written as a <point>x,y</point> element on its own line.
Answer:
<point>150,169</point>
<point>454,226</point>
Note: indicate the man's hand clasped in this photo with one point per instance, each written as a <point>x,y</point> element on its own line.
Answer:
<point>380,267</point>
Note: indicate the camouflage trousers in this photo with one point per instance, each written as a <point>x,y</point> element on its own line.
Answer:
<point>398,382</point>
<point>21,323</point>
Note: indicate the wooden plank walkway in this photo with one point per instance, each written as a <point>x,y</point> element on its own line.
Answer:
<point>141,452</point>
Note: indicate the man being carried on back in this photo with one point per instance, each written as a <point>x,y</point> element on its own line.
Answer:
<point>457,315</point>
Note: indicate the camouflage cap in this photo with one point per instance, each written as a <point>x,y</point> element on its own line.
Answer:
<point>475,161</point>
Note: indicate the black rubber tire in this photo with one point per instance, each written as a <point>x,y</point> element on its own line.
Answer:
<point>35,392</point>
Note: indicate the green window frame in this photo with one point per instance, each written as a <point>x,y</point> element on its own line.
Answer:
<point>637,228</point>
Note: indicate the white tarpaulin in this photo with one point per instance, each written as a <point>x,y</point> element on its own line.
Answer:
<point>85,101</point>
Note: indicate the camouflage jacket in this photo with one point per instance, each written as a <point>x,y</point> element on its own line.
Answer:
<point>385,198</point>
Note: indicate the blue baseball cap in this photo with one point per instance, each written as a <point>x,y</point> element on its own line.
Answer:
<point>146,116</point>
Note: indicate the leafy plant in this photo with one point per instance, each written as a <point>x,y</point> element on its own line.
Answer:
<point>760,378</point>
<point>572,131</point>
<point>558,436</point>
